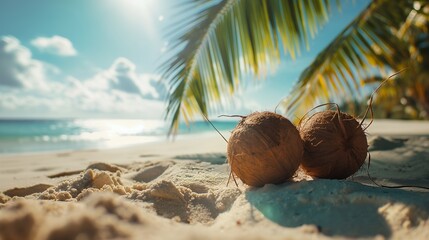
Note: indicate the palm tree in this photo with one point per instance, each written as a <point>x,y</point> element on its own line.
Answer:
<point>224,39</point>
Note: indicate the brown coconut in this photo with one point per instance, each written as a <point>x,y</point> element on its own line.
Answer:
<point>335,145</point>
<point>264,148</point>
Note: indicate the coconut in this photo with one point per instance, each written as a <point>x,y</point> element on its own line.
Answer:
<point>264,148</point>
<point>335,145</point>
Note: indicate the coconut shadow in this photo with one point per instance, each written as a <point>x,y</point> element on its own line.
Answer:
<point>336,207</point>
<point>212,158</point>
<point>397,161</point>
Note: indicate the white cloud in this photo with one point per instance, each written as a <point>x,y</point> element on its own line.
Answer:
<point>122,76</point>
<point>119,91</point>
<point>55,45</point>
<point>19,69</point>
<point>74,99</point>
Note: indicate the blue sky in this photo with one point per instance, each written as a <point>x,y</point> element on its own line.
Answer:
<point>99,58</point>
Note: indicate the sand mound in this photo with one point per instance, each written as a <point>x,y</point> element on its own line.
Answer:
<point>151,172</point>
<point>101,216</point>
<point>101,204</point>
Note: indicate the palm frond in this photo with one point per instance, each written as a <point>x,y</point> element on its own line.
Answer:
<point>364,47</point>
<point>224,39</point>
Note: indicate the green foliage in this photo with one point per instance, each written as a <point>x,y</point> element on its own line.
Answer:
<point>225,39</point>
<point>367,45</point>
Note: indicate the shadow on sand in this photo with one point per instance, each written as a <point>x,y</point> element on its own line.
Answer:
<point>337,208</point>
<point>212,158</point>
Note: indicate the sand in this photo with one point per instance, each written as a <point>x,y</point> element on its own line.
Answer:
<point>178,190</point>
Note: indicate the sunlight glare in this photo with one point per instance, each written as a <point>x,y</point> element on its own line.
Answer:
<point>136,3</point>
<point>142,12</point>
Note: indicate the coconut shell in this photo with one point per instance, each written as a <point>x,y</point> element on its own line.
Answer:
<point>264,148</point>
<point>332,150</point>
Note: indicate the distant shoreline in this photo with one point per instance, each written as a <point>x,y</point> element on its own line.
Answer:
<point>28,136</point>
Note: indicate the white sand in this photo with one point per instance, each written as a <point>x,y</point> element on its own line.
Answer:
<point>177,190</point>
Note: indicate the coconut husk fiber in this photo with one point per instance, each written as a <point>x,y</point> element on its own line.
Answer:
<point>264,148</point>
<point>335,145</point>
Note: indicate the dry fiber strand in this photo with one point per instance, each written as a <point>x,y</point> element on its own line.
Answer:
<point>265,147</point>
<point>335,145</point>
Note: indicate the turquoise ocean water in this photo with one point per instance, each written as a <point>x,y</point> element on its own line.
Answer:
<point>23,136</point>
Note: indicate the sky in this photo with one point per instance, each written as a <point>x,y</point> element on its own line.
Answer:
<point>100,59</point>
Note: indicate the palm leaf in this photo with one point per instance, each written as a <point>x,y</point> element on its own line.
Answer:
<point>224,40</point>
<point>366,45</point>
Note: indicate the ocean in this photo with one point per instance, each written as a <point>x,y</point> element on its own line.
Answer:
<point>24,136</point>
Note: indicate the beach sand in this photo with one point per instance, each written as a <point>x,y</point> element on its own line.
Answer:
<point>178,190</point>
